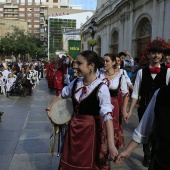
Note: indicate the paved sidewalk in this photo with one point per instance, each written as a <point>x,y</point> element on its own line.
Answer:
<point>25,131</point>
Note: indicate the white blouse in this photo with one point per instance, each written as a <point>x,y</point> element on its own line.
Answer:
<point>103,95</point>
<point>114,83</point>
<point>128,81</point>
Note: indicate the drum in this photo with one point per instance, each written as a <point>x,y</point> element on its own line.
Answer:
<point>60,114</point>
<point>62,111</point>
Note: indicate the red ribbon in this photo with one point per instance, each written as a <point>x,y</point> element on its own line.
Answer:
<point>107,81</point>
<point>155,70</point>
<point>84,90</point>
<point>167,65</point>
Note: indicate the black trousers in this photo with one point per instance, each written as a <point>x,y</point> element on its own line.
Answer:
<point>149,148</point>
<point>155,166</point>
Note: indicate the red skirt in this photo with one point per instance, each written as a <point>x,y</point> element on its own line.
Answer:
<point>85,145</point>
<point>117,123</point>
<point>50,82</point>
<point>58,80</point>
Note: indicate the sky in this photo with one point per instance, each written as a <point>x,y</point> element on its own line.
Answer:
<point>87,4</point>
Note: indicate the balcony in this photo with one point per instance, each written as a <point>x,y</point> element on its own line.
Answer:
<point>11,12</point>
<point>10,17</point>
<point>11,6</point>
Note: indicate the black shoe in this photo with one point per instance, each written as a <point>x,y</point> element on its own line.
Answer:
<point>146,162</point>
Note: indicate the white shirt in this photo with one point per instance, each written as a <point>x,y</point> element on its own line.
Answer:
<point>135,93</point>
<point>5,73</point>
<point>129,62</point>
<point>103,95</point>
<point>147,123</point>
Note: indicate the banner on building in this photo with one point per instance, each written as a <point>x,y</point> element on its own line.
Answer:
<point>74,47</point>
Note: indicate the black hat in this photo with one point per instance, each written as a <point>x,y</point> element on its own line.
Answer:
<point>155,49</point>
<point>167,51</point>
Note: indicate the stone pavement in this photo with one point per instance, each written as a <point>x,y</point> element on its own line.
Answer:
<point>25,131</point>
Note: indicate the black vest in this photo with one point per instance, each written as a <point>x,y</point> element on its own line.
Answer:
<point>163,65</point>
<point>162,118</point>
<point>89,105</point>
<point>150,85</point>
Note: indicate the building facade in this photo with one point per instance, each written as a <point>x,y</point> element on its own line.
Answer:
<point>27,10</point>
<point>6,26</point>
<point>127,24</point>
<point>59,23</point>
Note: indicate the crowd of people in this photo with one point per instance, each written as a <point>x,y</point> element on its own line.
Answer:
<point>20,78</point>
<point>110,86</point>
<point>106,85</point>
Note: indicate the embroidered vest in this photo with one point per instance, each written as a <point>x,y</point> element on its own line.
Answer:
<point>89,105</point>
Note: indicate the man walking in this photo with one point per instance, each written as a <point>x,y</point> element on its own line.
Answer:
<point>148,80</point>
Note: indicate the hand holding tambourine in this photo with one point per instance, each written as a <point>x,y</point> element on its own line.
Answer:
<point>61,111</point>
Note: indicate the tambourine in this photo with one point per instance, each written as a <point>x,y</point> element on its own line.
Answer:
<point>62,111</point>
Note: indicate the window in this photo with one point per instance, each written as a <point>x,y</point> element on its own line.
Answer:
<point>36,15</point>
<point>36,26</point>
<point>36,9</point>
<point>29,15</point>
<point>36,31</point>
<point>29,9</point>
<point>22,15</point>
<point>21,9</point>
<point>144,35</point>
<point>36,20</point>
<point>1,9</point>
<point>146,29</point>
<point>115,39</point>
<point>42,30</point>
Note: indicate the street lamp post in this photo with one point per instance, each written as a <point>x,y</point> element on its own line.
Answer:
<point>92,30</point>
<point>48,38</point>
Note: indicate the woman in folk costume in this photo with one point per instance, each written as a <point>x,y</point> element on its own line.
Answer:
<point>119,96</point>
<point>50,75</point>
<point>46,69</point>
<point>88,140</point>
<point>58,77</point>
<point>122,71</point>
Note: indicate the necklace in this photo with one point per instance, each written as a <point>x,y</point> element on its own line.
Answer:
<point>109,74</point>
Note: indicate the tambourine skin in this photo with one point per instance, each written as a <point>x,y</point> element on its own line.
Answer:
<point>61,112</point>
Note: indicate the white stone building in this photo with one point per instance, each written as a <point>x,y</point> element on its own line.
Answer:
<point>127,24</point>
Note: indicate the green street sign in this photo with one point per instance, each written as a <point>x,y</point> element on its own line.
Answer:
<point>74,47</point>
